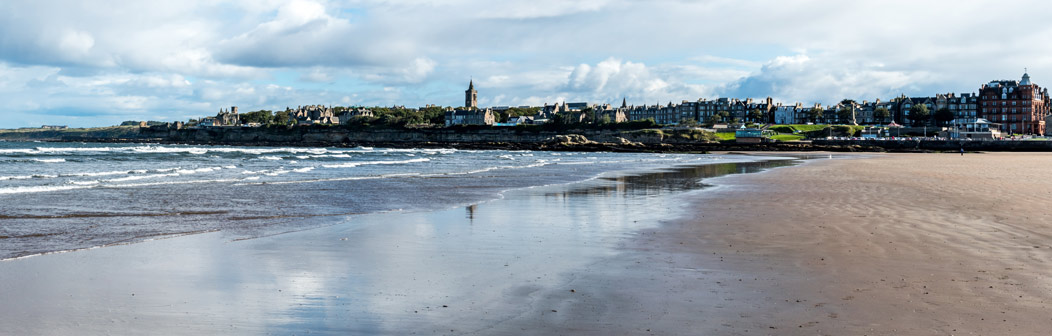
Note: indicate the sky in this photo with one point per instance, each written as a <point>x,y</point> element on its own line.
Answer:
<point>95,63</point>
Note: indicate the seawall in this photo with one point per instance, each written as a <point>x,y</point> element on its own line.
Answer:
<point>945,145</point>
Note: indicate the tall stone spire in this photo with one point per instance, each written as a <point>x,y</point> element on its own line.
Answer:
<point>624,102</point>
<point>471,99</point>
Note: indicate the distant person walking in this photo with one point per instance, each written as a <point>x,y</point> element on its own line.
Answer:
<point>962,150</point>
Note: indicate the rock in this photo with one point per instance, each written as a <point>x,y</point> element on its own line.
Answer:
<point>569,140</point>
<point>626,142</point>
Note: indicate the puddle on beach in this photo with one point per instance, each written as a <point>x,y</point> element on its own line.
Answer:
<point>465,269</point>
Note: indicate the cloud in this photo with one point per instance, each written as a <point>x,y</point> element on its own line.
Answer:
<point>801,78</point>
<point>415,72</point>
<point>180,58</point>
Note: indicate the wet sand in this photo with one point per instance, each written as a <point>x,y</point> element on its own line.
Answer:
<point>488,268</point>
<point>898,244</point>
<point>913,244</point>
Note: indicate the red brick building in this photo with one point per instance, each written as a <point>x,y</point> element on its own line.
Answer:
<point>1020,107</point>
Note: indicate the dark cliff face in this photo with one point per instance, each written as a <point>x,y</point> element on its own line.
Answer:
<point>336,136</point>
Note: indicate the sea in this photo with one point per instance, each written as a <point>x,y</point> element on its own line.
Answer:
<point>57,197</point>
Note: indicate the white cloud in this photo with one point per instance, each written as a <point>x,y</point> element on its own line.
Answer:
<point>66,55</point>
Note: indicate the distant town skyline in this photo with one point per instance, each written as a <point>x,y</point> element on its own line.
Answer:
<point>92,64</point>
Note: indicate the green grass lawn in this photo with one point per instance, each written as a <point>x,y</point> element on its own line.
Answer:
<point>725,136</point>
<point>786,137</point>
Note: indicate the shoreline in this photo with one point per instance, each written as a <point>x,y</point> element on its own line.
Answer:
<point>468,270</point>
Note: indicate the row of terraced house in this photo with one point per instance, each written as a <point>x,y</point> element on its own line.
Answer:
<point>1016,106</point>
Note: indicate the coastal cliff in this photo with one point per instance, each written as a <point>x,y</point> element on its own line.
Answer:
<point>577,140</point>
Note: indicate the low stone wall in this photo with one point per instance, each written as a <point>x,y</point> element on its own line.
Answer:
<point>945,145</point>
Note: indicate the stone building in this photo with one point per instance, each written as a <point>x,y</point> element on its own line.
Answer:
<point>612,114</point>
<point>354,112</point>
<point>787,114</point>
<point>227,118</point>
<point>313,114</point>
<point>464,116</point>
<point>964,106</point>
<point>471,97</point>
<point>1019,107</point>
<point>903,105</point>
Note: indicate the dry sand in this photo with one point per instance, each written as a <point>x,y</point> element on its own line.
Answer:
<point>897,244</point>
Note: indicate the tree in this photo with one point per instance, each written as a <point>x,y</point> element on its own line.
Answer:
<point>280,119</point>
<point>589,115</point>
<point>756,115</point>
<point>919,114</point>
<point>713,119</point>
<point>881,114</point>
<point>432,115</point>
<point>261,117</point>
<point>815,114</point>
<point>943,116</point>
<point>846,115</point>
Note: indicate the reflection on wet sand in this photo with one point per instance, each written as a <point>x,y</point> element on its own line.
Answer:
<point>668,181</point>
<point>454,271</point>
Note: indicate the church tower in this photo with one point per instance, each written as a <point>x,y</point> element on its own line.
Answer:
<point>471,97</point>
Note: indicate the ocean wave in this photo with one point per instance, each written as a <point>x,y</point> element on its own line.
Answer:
<point>36,189</point>
<point>72,149</point>
<point>198,170</point>
<point>366,163</point>
<point>133,185</point>
<point>339,179</point>
<point>103,173</point>
<point>16,177</point>
<point>50,160</point>
<point>85,183</point>
<point>250,151</point>
<point>141,177</point>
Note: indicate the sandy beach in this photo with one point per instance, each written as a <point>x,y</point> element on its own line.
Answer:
<point>881,244</point>
<point>896,244</point>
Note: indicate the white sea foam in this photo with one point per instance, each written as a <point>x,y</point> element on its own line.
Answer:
<point>50,160</point>
<point>103,173</point>
<point>365,163</point>
<point>84,183</point>
<point>198,170</point>
<point>141,177</point>
<point>303,170</point>
<point>270,157</point>
<point>170,183</point>
<point>17,151</point>
<point>277,172</point>
<point>337,179</point>
<point>16,177</point>
<point>36,189</point>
